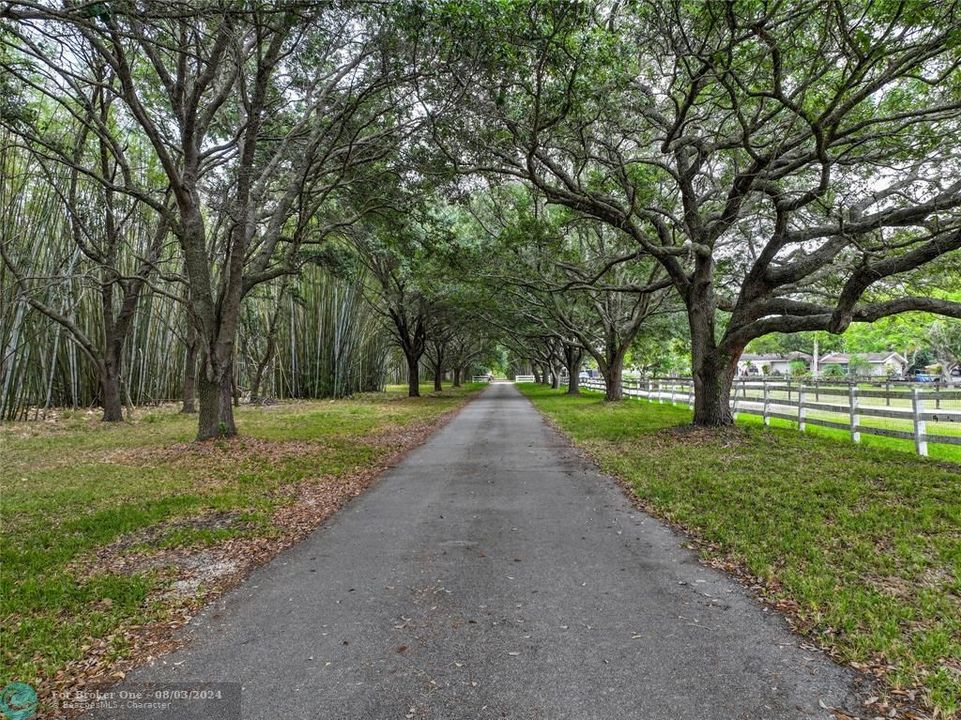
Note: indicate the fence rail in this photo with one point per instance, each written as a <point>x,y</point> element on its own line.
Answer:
<point>905,414</point>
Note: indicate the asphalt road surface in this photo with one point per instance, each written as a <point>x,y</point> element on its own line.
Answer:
<point>491,574</point>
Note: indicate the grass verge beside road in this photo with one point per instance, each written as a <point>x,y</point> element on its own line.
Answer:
<point>860,546</point>
<point>109,532</point>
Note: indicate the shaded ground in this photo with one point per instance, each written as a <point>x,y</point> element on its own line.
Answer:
<point>494,574</point>
<point>113,535</point>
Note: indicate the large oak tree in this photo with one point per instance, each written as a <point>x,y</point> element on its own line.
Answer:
<point>787,164</point>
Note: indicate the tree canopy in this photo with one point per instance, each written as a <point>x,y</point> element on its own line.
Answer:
<point>571,181</point>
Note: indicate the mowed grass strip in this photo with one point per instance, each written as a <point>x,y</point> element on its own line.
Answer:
<point>72,487</point>
<point>863,542</point>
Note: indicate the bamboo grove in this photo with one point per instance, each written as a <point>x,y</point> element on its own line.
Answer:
<point>314,336</point>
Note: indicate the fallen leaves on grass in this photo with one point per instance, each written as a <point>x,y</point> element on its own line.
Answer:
<point>692,435</point>
<point>131,553</point>
<point>214,453</point>
<point>198,575</point>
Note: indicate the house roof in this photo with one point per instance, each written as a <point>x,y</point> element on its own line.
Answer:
<point>774,357</point>
<point>874,358</point>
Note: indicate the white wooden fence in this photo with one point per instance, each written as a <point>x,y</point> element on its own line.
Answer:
<point>481,378</point>
<point>908,413</point>
<point>523,378</point>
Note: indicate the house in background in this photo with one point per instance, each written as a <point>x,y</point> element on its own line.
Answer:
<point>769,364</point>
<point>873,364</point>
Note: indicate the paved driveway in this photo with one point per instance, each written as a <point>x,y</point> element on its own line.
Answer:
<point>494,574</point>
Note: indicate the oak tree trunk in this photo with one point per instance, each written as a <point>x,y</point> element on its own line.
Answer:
<point>713,376</point>
<point>613,371</point>
<point>413,376</point>
<point>190,371</point>
<point>215,399</point>
<point>713,370</point>
<point>573,357</point>
<point>110,387</point>
<point>259,375</point>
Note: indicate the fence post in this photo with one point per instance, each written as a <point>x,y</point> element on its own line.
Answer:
<point>673,390</point>
<point>650,389</point>
<point>800,409</point>
<point>764,411</point>
<point>917,408</point>
<point>690,393</point>
<point>855,415</point>
<point>734,408</point>
<point>660,388</point>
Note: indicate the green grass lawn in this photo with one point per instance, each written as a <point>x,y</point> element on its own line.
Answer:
<point>941,451</point>
<point>72,488</point>
<point>861,543</point>
<point>936,451</point>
